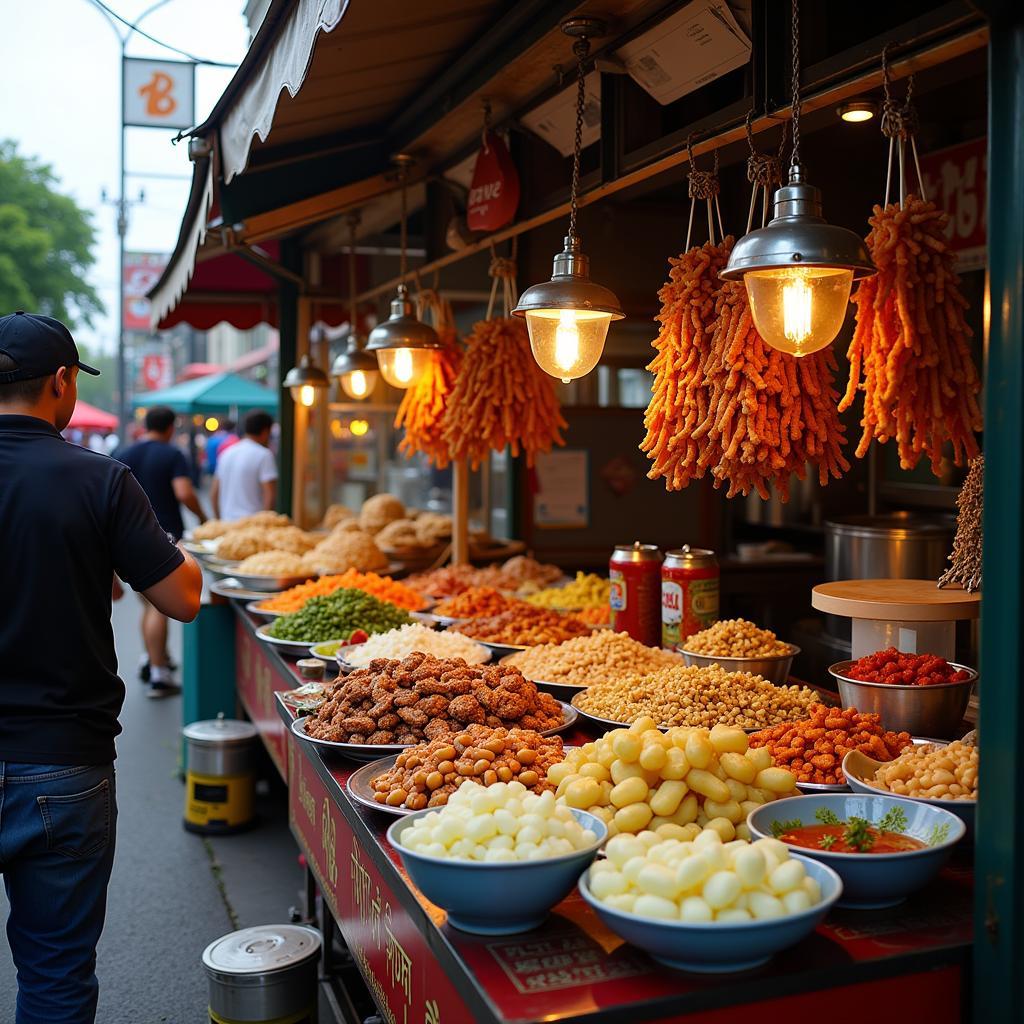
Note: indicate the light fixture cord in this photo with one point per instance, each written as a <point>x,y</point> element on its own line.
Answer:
<point>581,48</point>
<point>352,223</point>
<point>794,160</point>
<point>405,229</point>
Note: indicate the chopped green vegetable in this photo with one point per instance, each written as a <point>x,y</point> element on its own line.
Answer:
<point>781,827</point>
<point>827,816</point>
<point>827,842</point>
<point>894,820</point>
<point>940,833</point>
<point>337,616</point>
<point>859,834</point>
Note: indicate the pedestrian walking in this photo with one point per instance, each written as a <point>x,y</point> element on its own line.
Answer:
<point>246,477</point>
<point>71,518</point>
<point>162,471</point>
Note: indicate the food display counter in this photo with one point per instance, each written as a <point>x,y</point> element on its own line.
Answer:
<point>912,959</point>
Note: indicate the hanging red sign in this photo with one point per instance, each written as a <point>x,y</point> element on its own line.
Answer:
<point>956,178</point>
<point>494,193</point>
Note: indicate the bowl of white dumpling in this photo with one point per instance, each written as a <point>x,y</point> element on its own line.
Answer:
<point>497,858</point>
<point>707,905</point>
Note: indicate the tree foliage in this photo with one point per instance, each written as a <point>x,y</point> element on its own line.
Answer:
<point>46,243</point>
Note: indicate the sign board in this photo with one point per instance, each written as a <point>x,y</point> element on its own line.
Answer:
<point>156,372</point>
<point>142,270</point>
<point>158,93</point>
<point>562,497</point>
<point>554,120</point>
<point>694,46</point>
<point>494,191</point>
<point>955,180</point>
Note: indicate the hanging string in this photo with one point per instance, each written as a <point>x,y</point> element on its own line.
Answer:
<point>764,172</point>
<point>502,271</point>
<point>581,48</point>
<point>353,223</point>
<point>405,228</point>
<point>703,185</point>
<point>487,126</point>
<point>899,126</point>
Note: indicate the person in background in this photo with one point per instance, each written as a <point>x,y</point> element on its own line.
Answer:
<point>246,477</point>
<point>162,471</point>
<point>71,519</point>
<point>216,443</point>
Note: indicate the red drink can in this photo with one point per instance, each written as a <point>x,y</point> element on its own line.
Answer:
<point>689,594</point>
<point>635,571</point>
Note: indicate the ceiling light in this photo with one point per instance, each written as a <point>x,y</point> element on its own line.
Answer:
<point>355,369</point>
<point>856,112</point>
<point>305,381</point>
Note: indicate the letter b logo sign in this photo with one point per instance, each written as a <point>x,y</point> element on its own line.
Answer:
<point>158,94</point>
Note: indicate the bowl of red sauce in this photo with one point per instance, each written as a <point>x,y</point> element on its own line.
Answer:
<point>883,848</point>
<point>922,694</point>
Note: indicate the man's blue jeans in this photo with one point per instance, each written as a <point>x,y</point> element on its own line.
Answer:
<point>57,827</point>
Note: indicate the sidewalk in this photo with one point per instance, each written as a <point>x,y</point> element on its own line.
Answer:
<point>171,892</point>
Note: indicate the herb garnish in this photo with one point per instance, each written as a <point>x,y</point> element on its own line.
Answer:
<point>894,820</point>
<point>827,842</point>
<point>781,827</point>
<point>859,834</point>
<point>940,833</point>
<point>827,816</point>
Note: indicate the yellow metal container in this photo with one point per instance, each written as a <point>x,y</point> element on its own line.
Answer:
<point>219,782</point>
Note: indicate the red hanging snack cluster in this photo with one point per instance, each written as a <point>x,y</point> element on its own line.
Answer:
<point>911,351</point>
<point>501,397</point>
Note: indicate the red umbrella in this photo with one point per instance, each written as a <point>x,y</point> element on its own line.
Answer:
<point>88,417</point>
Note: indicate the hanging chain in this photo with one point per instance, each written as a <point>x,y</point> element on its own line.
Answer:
<point>353,223</point>
<point>581,48</point>
<point>794,160</point>
<point>405,228</point>
<point>487,126</point>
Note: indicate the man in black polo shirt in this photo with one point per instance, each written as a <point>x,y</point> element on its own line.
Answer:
<point>70,519</point>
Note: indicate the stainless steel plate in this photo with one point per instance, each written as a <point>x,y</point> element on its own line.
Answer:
<point>231,587</point>
<point>353,751</point>
<point>361,790</point>
<point>291,648</point>
<point>262,585</point>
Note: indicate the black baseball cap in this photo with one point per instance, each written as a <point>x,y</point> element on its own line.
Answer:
<point>39,345</point>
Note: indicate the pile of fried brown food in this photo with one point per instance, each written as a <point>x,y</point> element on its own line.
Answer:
<point>423,697</point>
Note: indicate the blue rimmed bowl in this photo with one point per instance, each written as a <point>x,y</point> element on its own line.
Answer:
<point>871,881</point>
<point>719,947</point>
<point>501,898</point>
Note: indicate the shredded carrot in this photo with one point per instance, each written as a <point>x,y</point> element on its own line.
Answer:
<point>383,587</point>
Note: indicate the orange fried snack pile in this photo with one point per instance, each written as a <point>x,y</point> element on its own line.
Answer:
<point>770,413</point>
<point>912,344</point>
<point>423,405</point>
<point>813,749</point>
<point>501,397</point>
<point>679,395</point>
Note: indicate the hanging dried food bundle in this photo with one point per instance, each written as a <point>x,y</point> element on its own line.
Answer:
<point>501,397</point>
<point>966,556</point>
<point>770,413</point>
<point>679,395</point>
<point>423,405</point>
<point>912,344</point>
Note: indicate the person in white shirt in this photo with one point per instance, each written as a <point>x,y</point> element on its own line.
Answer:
<point>246,477</point>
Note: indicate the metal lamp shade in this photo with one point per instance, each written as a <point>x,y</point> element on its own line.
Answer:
<point>356,371</point>
<point>403,343</point>
<point>568,317</point>
<point>798,271</point>
<point>304,381</point>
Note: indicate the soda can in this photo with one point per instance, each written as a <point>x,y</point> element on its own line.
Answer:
<point>689,594</point>
<point>635,572</point>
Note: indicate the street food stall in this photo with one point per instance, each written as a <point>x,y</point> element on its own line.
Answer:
<point>635,358</point>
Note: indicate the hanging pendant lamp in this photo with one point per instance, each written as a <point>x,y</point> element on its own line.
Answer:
<point>799,269</point>
<point>568,317</point>
<point>403,343</point>
<point>305,382</point>
<point>355,370</point>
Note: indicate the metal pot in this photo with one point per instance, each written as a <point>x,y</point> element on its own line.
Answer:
<point>897,545</point>
<point>263,974</point>
<point>220,746</point>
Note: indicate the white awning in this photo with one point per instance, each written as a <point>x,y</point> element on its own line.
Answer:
<point>285,67</point>
<point>179,271</point>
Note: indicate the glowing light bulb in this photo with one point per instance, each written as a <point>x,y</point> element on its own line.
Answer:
<point>799,310</point>
<point>567,342</point>
<point>212,423</point>
<point>403,368</point>
<point>357,383</point>
<point>307,395</point>
<point>359,427</point>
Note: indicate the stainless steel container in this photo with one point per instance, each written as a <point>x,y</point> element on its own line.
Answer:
<point>896,545</point>
<point>775,669</point>
<point>220,746</point>
<point>263,975</point>
<point>920,710</point>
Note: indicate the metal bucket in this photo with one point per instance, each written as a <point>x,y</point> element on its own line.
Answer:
<point>219,783</point>
<point>264,975</point>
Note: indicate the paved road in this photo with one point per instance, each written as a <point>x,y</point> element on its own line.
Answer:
<point>171,892</point>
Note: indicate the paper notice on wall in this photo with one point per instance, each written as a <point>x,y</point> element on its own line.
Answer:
<point>696,45</point>
<point>562,498</point>
<point>555,119</point>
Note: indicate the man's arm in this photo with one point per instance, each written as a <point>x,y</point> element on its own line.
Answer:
<point>178,593</point>
<point>269,495</point>
<point>215,497</point>
<point>186,494</point>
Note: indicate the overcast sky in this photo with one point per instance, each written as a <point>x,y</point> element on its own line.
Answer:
<point>59,100</point>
